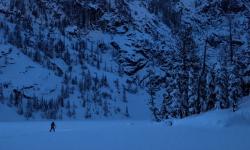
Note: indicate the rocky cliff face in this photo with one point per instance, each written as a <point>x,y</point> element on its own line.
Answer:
<point>88,59</point>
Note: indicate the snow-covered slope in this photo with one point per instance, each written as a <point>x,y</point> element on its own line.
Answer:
<point>81,68</point>
<point>220,118</point>
<point>122,58</point>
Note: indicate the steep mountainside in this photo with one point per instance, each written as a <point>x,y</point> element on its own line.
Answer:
<point>122,58</point>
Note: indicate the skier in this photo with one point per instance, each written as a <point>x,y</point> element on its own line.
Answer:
<point>52,126</point>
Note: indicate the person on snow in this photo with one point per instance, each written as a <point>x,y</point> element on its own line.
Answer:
<point>52,126</point>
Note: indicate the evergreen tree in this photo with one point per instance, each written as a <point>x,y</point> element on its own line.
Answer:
<point>15,38</point>
<point>152,92</point>
<point>29,110</point>
<point>172,101</point>
<point>210,90</point>
<point>73,112</point>
<point>87,82</point>
<point>17,97</point>
<point>189,69</point>
<point>88,110</point>
<point>104,81</point>
<point>171,98</point>
<point>61,101</point>
<point>234,84</point>
<point>242,71</point>
<point>126,111</point>
<point>81,86</point>
<point>68,106</point>
<point>1,94</point>
<point>20,109</point>
<point>37,56</point>
<point>222,92</point>
<point>10,102</point>
<point>74,81</point>
<point>124,94</point>
<point>69,113</point>
<point>117,85</point>
<point>105,108</point>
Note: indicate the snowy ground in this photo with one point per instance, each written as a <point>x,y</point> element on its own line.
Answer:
<point>216,130</point>
<point>120,136</point>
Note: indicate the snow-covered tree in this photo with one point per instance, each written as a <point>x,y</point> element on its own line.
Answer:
<point>1,94</point>
<point>20,109</point>
<point>28,110</point>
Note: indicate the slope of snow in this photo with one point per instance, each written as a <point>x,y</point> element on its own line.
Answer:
<point>221,118</point>
<point>24,72</point>
<point>135,31</point>
<point>9,114</point>
<point>135,106</point>
<point>21,72</point>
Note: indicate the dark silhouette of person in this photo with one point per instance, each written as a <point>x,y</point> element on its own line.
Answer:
<point>52,126</point>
